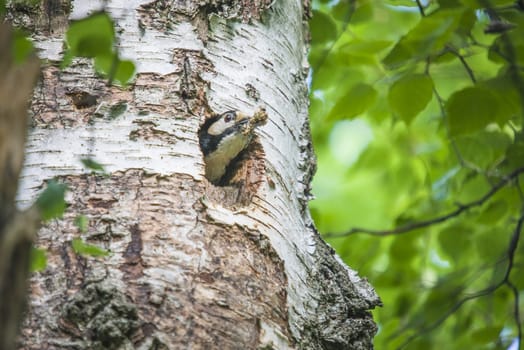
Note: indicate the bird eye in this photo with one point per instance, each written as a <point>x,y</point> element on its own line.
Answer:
<point>229,117</point>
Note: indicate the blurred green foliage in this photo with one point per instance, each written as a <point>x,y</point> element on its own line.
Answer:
<point>82,248</point>
<point>51,202</point>
<point>416,115</point>
<point>38,259</point>
<point>94,37</point>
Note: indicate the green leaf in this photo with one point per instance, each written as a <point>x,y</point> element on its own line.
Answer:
<point>51,202</point>
<point>92,164</point>
<point>408,3</point>
<point>517,275</point>
<point>508,48</point>
<point>481,4</point>
<point>363,11</point>
<point>92,36</point>
<point>503,87</point>
<point>323,28</point>
<point>359,52</point>
<point>38,259</point>
<point>115,69</point>
<point>22,47</point>
<point>471,109</point>
<point>439,300</point>
<point>470,185</point>
<point>67,59</point>
<point>399,55</point>
<point>105,64</point>
<point>403,249</point>
<point>355,102</point>
<point>455,241</point>
<point>409,95</point>
<point>466,23</point>
<point>343,11</point>
<point>449,3</point>
<point>403,302</point>
<point>367,47</point>
<point>483,149</point>
<point>515,152</point>
<point>428,37</point>
<point>124,72</point>
<point>473,150</point>
<point>492,243</point>
<point>486,335</point>
<point>81,222</point>
<point>494,212</point>
<point>85,249</point>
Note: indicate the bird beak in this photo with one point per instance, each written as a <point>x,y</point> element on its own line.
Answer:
<point>241,118</point>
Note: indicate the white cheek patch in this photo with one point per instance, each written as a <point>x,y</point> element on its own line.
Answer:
<point>218,127</point>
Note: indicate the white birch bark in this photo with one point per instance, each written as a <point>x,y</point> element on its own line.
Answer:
<point>192,265</point>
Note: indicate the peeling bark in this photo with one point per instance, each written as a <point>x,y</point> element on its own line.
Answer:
<point>192,265</point>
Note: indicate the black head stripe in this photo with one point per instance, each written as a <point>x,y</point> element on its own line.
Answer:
<point>207,142</point>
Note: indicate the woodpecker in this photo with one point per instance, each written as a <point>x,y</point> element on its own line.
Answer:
<point>224,136</point>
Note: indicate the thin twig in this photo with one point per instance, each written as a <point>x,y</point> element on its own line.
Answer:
<point>450,312</point>
<point>464,63</point>
<point>421,8</point>
<point>511,57</point>
<point>345,25</point>
<point>486,291</point>
<point>436,220</point>
<point>515,238</point>
<point>442,108</point>
<point>516,313</point>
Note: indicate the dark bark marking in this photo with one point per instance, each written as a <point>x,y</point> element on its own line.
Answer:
<point>82,99</point>
<point>103,203</point>
<point>133,253</point>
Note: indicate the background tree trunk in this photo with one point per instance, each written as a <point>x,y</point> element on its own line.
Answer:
<point>192,265</point>
<point>17,229</point>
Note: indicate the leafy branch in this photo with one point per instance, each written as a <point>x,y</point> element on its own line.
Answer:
<point>510,256</point>
<point>474,119</point>
<point>437,220</point>
<point>441,104</point>
<point>420,8</point>
<point>327,51</point>
<point>462,60</point>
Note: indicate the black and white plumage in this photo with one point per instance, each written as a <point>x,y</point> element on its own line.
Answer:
<point>223,137</point>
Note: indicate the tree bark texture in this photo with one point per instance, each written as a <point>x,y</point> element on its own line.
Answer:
<point>191,265</point>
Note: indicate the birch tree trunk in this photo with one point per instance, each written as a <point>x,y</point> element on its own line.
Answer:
<point>191,265</point>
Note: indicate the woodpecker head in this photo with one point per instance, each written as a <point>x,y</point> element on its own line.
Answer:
<point>224,136</point>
